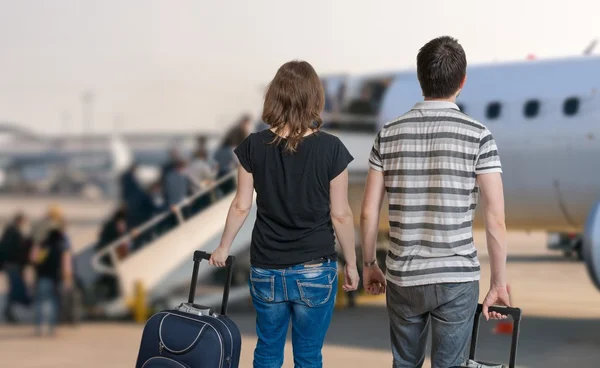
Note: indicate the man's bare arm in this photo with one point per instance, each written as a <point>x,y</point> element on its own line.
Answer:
<point>369,215</point>
<point>373,278</point>
<point>492,198</point>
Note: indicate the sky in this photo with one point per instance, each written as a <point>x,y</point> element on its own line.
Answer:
<point>183,65</point>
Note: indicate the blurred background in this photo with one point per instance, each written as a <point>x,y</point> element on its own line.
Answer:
<point>117,125</point>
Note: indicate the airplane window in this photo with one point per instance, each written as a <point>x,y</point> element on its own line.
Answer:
<point>532,107</point>
<point>571,106</point>
<point>493,110</point>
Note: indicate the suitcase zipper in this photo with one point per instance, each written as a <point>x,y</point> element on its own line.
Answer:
<point>222,360</point>
<point>160,347</point>
<point>157,358</point>
<point>185,349</point>
<point>230,335</point>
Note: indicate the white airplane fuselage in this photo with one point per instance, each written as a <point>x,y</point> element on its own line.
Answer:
<point>550,159</point>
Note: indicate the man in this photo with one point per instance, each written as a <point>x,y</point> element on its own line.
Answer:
<point>177,187</point>
<point>167,167</point>
<point>433,161</point>
<point>14,248</point>
<point>130,185</point>
<point>113,229</point>
<point>133,196</point>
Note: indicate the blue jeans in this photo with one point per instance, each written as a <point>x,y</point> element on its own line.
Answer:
<point>17,289</point>
<point>449,308</point>
<point>46,297</point>
<point>304,294</point>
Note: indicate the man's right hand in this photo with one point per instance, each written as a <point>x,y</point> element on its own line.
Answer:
<point>498,295</point>
<point>374,280</point>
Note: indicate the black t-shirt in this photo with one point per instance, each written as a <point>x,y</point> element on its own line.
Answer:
<point>52,250</point>
<point>14,246</point>
<point>293,223</point>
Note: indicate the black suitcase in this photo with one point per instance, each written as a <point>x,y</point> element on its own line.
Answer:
<point>192,336</point>
<point>515,314</point>
<point>70,306</point>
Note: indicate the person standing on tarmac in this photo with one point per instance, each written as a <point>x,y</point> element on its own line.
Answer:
<point>434,162</point>
<point>53,265</point>
<point>14,248</point>
<point>301,180</point>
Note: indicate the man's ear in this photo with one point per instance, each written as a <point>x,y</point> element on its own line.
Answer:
<point>462,84</point>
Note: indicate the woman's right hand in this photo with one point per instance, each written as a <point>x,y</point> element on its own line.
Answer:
<point>219,257</point>
<point>351,277</point>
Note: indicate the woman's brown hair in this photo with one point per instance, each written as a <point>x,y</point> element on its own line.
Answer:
<point>293,103</point>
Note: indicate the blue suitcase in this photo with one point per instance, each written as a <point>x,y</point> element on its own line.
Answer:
<point>192,336</point>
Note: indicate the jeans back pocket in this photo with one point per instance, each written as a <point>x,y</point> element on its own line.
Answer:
<point>262,286</point>
<point>317,291</point>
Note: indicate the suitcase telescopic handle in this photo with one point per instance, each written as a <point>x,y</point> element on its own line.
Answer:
<point>201,255</point>
<point>515,314</point>
<point>198,257</point>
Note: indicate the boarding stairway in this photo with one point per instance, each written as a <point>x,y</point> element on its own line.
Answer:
<point>163,264</point>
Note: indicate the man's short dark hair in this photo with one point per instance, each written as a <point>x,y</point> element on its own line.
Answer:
<point>441,67</point>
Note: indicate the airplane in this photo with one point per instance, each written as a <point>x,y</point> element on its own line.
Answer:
<point>544,115</point>
<point>84,166</point>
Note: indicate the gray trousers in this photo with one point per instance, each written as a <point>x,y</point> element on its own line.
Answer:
<point>448,308</point>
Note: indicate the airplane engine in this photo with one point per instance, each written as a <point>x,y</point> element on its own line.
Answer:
<point>591,244</point>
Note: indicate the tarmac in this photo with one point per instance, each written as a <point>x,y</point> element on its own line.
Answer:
<point>560,325</point>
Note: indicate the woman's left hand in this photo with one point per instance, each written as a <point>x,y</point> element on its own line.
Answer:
<point>351,277</point>
<point>219,257</point>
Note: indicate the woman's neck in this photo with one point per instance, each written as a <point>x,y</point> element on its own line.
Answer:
<point>283,133</point>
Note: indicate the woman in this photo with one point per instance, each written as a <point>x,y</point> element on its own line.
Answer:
<point>301,181</point>
<point>53,268</point>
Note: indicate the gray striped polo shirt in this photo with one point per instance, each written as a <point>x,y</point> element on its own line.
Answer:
<point>430,157</point>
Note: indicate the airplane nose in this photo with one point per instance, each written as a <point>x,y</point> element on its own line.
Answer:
<point>591,244</point>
